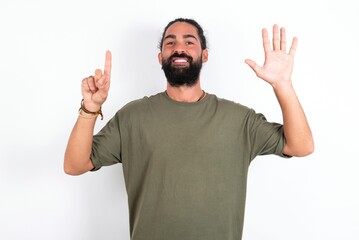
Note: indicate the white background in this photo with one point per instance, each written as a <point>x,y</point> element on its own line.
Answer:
<point>48,47</point>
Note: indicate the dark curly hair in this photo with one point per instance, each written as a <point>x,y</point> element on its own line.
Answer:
<point>200,33</point>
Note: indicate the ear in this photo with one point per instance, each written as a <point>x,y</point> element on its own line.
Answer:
<point>159,56</point>
<point>205,55</point>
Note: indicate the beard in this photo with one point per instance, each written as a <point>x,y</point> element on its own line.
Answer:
<point>180,76</point>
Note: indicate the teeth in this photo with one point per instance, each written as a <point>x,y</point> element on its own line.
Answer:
<point>180,60</point>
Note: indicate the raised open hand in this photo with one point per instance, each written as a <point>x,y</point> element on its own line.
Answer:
<point>95,88</point>
<point>278,64</point>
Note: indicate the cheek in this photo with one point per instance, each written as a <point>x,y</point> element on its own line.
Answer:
<point>163,56</point>
<point>195,53</point>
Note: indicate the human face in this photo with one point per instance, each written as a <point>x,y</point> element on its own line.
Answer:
<point>181,55</point>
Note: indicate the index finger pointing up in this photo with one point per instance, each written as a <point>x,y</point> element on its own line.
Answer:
<point>108,64</point>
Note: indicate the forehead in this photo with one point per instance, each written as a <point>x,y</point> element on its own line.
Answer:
<point>181,28</point>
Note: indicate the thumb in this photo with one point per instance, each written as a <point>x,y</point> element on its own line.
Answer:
<point>255,67</point>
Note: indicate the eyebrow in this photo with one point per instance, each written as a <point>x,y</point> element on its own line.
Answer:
<point>184,36</point>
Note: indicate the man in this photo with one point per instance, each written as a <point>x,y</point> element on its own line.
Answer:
<point>185,153</point>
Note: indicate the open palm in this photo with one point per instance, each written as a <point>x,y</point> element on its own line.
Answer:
<point>278,64</point>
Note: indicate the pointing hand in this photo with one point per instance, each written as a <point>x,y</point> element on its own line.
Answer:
<point>95,88</point>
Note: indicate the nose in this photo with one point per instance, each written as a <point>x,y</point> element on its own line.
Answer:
<point>179,51</point>
<point>180,48</point>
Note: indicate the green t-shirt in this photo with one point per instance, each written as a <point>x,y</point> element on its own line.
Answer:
<point>185,164</point>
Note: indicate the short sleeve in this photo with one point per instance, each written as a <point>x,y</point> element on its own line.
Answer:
<point>265,137</point>
<point>106,146</point>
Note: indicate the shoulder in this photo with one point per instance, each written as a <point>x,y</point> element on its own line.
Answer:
<point>139,106</point>
<point>230,106</point>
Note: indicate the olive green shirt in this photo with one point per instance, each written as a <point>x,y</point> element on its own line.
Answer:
<point>185,164</point>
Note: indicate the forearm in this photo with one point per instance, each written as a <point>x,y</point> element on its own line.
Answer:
<point>77,156</point>
<point>299,140</point>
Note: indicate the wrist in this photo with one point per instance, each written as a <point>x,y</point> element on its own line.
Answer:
<point>87,112</point>
<point>90,106</point>
<point>85,115</point>
<point>282,86</point>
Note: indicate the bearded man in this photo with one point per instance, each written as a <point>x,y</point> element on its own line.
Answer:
<point>186,153</point>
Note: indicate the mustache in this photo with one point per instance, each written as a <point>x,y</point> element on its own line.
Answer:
<point>182,55</point>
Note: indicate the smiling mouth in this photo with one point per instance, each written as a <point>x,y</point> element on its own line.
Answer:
<point>180,61</point>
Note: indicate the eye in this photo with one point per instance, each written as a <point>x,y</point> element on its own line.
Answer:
<point>189,43</point>
<point>170,43</point>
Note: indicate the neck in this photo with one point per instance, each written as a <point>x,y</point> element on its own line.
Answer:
<point>185,93</point>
